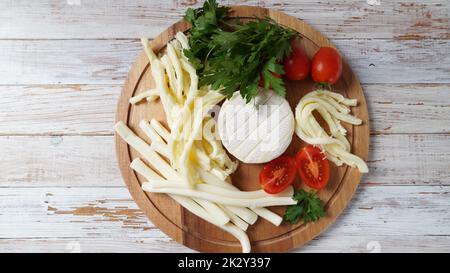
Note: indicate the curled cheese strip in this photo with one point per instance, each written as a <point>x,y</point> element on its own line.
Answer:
<point>333,109</point>
<point>195,208</point>
<point>151,95</point>
<point>238,202</point>
<point>336,96</point>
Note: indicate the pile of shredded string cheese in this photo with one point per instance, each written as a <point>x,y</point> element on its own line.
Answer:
<point>190,162</point>
<point>333,108</point>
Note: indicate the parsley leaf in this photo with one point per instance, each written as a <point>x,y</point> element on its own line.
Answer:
<point>276,83</point>
<point>233,56</point>
<point>205,21</point>
<point>309,207</point>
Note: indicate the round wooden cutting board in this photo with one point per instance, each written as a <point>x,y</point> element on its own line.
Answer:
<point>192,231</point>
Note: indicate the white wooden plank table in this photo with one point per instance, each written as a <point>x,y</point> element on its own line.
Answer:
<point>62,64</point>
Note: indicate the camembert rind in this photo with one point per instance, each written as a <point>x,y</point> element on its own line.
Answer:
<point>258,131</point>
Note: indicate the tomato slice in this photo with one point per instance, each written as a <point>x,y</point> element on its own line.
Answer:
<point>278,174</point>
<point>313,167</point>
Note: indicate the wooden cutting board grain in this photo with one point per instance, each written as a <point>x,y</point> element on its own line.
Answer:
<point>192,231</point>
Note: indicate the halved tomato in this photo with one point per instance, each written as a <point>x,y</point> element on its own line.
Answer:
<point>313,167</point>
<point>278,174</point>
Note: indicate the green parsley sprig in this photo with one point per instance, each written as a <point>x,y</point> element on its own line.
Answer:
<point>205,22</point>
<point>309,207</point>
<point>232,57</point>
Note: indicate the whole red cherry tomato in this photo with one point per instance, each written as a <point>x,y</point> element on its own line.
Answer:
<point>326,66</point>
<point>296,65</point>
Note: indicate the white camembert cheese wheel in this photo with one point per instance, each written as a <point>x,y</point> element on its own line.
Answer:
<point>258,131</point>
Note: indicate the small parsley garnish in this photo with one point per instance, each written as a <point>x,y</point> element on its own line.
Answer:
<point>309,207</point>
